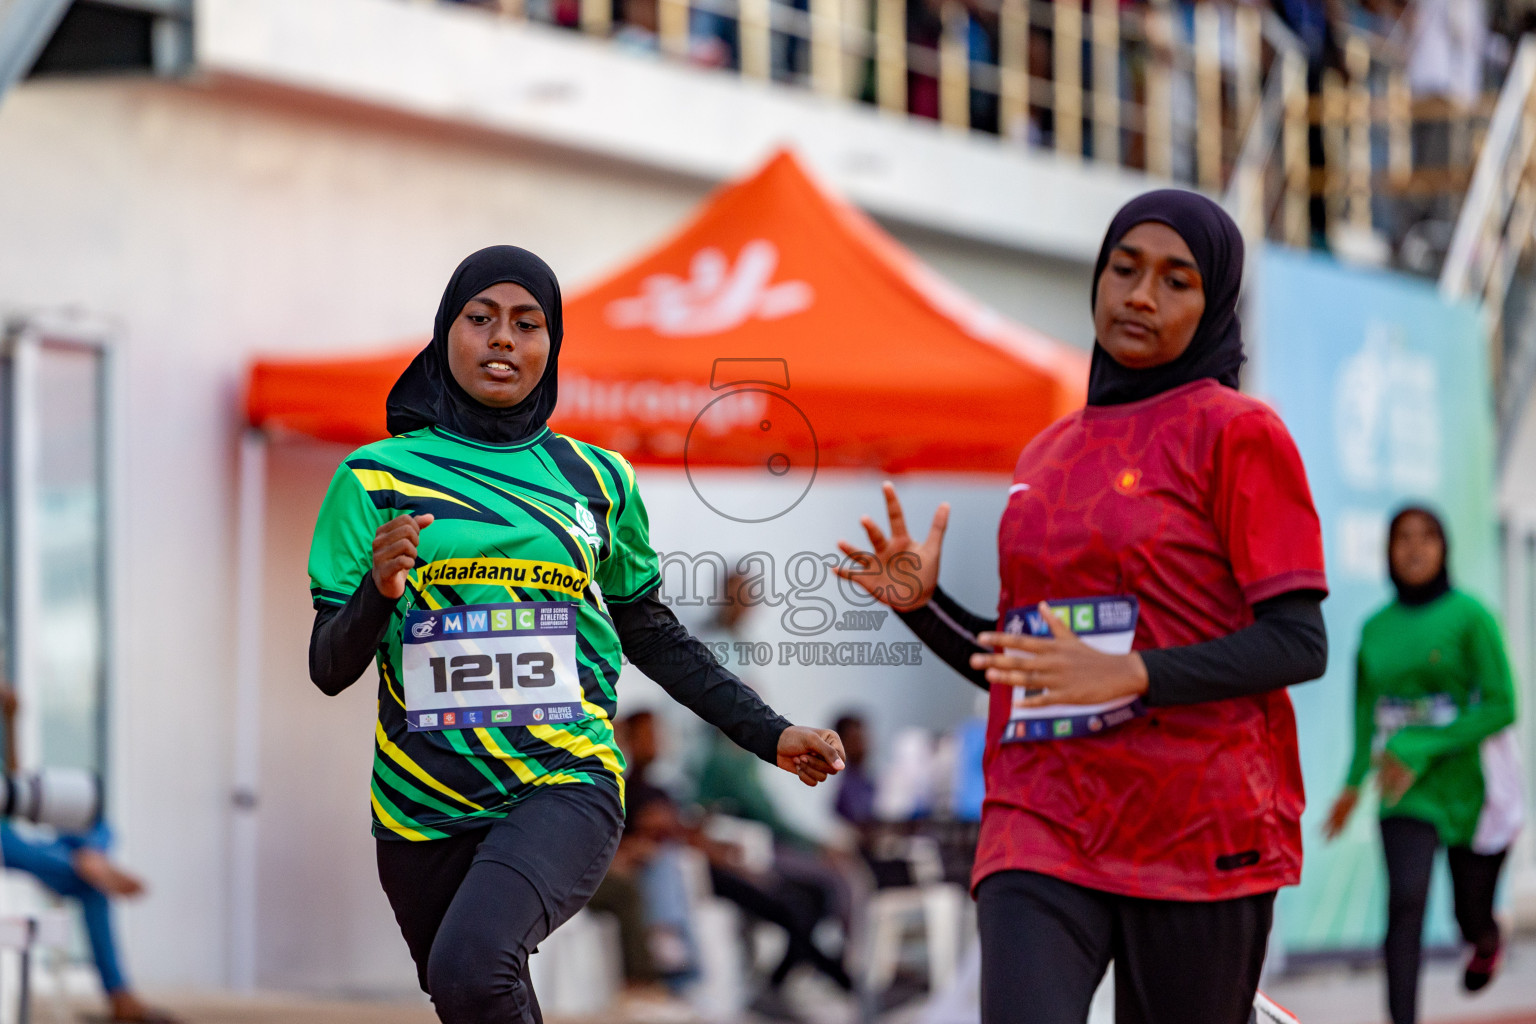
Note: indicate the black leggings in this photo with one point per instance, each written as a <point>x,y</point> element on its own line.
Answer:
<point>472,907</point>
<point>1045,945</point>
<point>1409,845</point>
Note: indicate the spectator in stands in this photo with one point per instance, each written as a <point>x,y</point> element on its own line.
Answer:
<point>77,867</point>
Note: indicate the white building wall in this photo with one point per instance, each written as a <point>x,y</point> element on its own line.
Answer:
<point>212,221</point>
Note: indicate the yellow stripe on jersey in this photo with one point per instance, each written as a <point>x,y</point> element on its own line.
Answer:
<point>602,485</point>
<point>392,824</point>
<point>517,765</point>
<point>576,533</point>
<point>381,480</point>
<point>581,746</point>
<point>403,759</point>
<point>583,542</point>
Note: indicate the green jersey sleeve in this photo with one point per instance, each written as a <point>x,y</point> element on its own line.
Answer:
<point>341,553</point>
<point>631,566</point>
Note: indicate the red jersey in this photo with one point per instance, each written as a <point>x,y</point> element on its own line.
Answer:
<point>1195,502</point>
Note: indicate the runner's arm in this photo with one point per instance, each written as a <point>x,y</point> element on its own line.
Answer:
<point>1286,644</point>
<point>663,649</point>
<point>346,636</point>
<point>949,631</point>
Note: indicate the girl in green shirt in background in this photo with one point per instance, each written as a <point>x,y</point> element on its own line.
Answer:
<point>1433,703</point>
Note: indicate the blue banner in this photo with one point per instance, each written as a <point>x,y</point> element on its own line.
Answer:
<point>1385,386</point>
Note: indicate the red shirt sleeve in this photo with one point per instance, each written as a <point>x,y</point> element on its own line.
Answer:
<point>1263,509</point>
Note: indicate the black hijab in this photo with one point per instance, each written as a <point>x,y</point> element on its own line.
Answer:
<point>426,393</point>
<point>1412,596</point>
<point>1217,348</point>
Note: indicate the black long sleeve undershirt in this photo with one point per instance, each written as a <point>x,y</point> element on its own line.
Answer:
<point>663,649</point>
<point>1287,644</point>
<point>346,637</point>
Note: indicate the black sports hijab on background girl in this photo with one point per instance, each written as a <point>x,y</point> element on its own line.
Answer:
<point>1217,348</point>
<point>426,393</point>
<point>1423,593</point>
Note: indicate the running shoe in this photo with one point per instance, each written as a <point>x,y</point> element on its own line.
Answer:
<point>1267,1011</point>
<point>1481,968</point>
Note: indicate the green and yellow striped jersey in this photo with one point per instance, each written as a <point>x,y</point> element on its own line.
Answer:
<point>549,519</point>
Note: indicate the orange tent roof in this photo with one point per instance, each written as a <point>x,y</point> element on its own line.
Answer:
<point>781,327</point>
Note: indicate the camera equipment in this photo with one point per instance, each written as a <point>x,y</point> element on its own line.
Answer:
<point>68,799</point>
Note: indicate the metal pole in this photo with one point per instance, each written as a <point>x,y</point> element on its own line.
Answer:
<point>891,55</point>
<point>955,69</point>
<point>1106,81</point>
<point>1208,125</point>
<point>1298,191</point>
<point>597,17</point>
<point>827,47</point>
<point>672,18</point>
<point>1335,146</point>
<point>1399,128</point>
<point>1159,111</point>
<point>26,545</point>
<point>1249,74</point>
<point>250,558</point>
<point>1013,69</point>
<point>1068,53</point>
<point>1358,59</point>
<point>756,39</point>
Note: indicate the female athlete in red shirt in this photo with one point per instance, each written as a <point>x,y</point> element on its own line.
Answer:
<point>1143,788</point>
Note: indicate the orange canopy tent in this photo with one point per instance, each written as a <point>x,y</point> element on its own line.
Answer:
<point>781,327</point>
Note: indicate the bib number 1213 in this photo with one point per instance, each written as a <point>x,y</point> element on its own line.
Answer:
<point>473,671</point>
<point>489,666</point>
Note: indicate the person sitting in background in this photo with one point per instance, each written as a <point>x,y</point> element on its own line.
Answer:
<point>807,887</point>
<point>77,867</point>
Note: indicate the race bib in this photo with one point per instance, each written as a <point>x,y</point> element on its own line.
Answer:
<point>1106,624</point>
<point>478,665</point>
<point>1394,714</point>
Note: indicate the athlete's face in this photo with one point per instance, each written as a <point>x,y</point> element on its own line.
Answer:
<point>1150,298</point>
<point>499,345</point>
<point>1416,550</point>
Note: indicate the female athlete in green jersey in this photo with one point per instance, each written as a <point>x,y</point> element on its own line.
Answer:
<point>498,573</point>
<point>1434,699</point>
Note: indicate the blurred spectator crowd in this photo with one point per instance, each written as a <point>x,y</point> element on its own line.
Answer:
<point>1452,48</point>
<point>719,898</point>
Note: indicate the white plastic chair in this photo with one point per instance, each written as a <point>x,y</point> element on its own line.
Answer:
<point>720,993</point>
<point>578,971</point>
<point>31,922</point>
<point>939,907</point>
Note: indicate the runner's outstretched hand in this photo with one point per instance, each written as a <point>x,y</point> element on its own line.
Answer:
<point>812,754</point>
<point>897,570</point>
<point>394,552</point>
